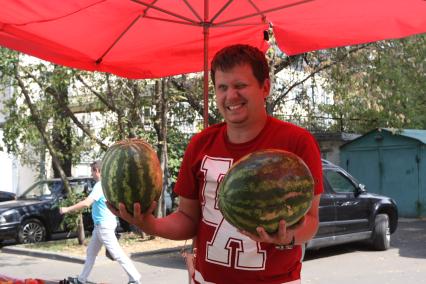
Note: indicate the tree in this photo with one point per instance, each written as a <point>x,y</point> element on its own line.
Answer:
<point>58,138</point>
<point>385,81</point>
<point>34,110</point>
<point>160,126</point>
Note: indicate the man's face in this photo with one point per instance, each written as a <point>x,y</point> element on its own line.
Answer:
<point>96,174</point>
<point>239,97</point>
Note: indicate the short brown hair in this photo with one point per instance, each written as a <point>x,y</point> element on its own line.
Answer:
<point>96,165</point>
<point>233,55</point>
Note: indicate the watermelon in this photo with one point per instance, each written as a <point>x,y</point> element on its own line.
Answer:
<point>131,173</point>
<point>265,187</point>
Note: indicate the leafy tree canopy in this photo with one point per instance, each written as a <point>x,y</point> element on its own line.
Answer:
<point>382,85</point>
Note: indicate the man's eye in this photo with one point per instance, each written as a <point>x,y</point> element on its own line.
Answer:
<point>241,86</point>
<point>222,88</point>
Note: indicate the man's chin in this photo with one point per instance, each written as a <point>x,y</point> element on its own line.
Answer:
<point>236,120</point>
<point>236,114</point>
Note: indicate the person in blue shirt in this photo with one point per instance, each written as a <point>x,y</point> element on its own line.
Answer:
<point>103,233</point>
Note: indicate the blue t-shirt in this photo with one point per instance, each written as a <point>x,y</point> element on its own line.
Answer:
<point>100,212</point>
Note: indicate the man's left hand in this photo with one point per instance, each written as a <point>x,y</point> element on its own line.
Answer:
<point>284,235</point>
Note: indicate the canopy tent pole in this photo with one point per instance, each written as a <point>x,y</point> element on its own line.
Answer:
<point>206,64</point>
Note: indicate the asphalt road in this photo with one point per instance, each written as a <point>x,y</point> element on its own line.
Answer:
<point>403,263</point>
<point>158,269</point>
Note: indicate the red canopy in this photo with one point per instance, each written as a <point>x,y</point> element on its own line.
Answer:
<point>147,38</point>
<point>157,38</point>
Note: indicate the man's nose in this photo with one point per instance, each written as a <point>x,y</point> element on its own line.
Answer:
<point>232,93</point>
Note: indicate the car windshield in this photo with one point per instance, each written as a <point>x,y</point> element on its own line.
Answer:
<point>42,189</point>
<point>47,189</point>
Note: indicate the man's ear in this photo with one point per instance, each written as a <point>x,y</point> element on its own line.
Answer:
<point>266,88</point>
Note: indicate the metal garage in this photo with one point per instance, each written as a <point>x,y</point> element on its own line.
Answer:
<point>393,163</point>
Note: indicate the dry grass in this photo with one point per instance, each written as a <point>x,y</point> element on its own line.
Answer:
<point>130,242</point>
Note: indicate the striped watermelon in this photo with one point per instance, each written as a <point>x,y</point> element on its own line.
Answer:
<point>265,187</point>
<point>131,173</point>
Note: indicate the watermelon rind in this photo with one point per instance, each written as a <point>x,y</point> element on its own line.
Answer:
<point>130,173</point>
<point>265,187</point>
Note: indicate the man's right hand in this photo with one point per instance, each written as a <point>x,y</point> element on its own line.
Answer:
<point>145,221</point>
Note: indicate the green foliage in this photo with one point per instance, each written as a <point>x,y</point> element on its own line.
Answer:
<point>121,104</point>
<point>382,85</point>
<point>40,80</point>
<point>177,142</point>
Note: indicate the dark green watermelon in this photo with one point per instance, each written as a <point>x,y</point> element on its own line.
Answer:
<point>130,173</point>
<point>265,187</point>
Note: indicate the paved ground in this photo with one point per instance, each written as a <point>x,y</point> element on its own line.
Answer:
<point>158,269</point>
<point>404,263</point>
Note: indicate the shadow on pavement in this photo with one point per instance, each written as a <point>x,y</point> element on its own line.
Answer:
<point>409,239</point>
<point>335,250</point>
<point>169,260</point>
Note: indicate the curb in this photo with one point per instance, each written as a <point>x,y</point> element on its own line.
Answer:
<point>80,260</point>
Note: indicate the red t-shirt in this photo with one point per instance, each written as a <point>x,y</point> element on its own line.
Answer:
<point>224,255</point>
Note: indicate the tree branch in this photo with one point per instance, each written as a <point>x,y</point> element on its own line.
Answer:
<point>312,74</point>
<point>36,117</point>
<point>71,115</point>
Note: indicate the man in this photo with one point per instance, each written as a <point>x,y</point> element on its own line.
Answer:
<point>104,232</point>
<point>240,75</point>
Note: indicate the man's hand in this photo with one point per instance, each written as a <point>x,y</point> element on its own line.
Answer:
<point>145,221</point>
<point>63,210</point>
<point>284,235</point>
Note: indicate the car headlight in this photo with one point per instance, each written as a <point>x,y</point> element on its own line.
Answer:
<point>9,216</point>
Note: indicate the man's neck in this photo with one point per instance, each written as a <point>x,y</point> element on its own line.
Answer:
<point>238,134</point>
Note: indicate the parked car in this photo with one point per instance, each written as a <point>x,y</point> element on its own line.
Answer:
<point>6,196</point>
<point>34,216</point>
<point>348,213</point>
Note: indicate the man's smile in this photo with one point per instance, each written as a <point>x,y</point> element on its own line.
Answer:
<point>235,106</point>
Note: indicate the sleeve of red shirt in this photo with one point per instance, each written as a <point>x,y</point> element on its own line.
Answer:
<point>309,151</point>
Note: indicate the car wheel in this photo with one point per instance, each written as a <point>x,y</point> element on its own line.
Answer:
<point>381,232</point>
<point>31,231</point>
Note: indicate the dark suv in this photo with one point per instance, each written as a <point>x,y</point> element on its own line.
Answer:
<point>34,216</point>
<point>348,213</point>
